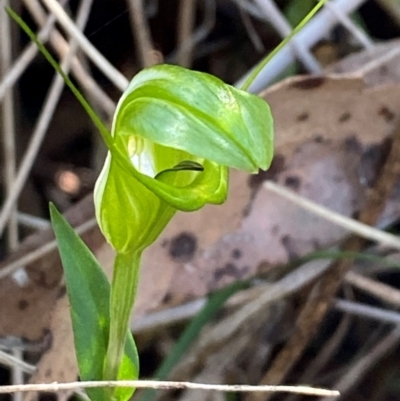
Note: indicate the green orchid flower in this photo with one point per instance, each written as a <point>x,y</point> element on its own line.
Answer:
<point>175,133</point>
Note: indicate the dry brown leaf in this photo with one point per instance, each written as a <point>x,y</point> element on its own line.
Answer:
<point>58,363</point>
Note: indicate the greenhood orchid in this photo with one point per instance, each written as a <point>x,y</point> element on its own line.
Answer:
<point>175,134</point>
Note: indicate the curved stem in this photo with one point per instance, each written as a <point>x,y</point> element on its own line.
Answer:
<point>266,60</point>
<point>123,292</point>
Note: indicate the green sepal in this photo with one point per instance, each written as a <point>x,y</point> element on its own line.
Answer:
<point>198,114</point>
<point>129,214</point>
<point>89,296</point>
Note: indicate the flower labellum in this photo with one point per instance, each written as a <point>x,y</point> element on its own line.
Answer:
<point>175,134</point>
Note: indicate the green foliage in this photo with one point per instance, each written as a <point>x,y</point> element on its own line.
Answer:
<point>89,295</point>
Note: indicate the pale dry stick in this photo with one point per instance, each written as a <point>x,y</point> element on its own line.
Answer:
<point>377,62</point>
<point>357,32</point>
<point>42,124</point>
<point>42,251</point>
<point>10,166</point>
<point>37,223</point>
<point>363,230</point>
<point>382,291</point>
<point>315,29</point>
<point>168,316</point>
<point>17,374</point>
<point>9,152</point>
<point>251,8</point>
<point>358,370</point>
<point>8,120</point>
<point>275,17</point>
<point>187,12</point>
<point>250,29</point>
<point>169,385</point>
<point>98,59</point>
<point>11,361</point>
<point>61,46</point>
<point>370,312</point>
<point>25,58</point>
<point>201,32</point>
<point>215,370</point>
<point>320,298</point>
<point>180,313</point>
<point>141,33</point>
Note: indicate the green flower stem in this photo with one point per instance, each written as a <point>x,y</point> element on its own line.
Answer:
<point>253,75</point>
<point>123,292</point>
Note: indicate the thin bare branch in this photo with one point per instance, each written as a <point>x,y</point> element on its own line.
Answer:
<point>201,32</point>
<point>17,373</point>
<point>141,33</point>
<point>347,223</point>
<point>37,223</point>
<point>62,47</point>
<point>187,11</point>
<point>170,385</point>
<point>357,32</point>
<point>370,312</point>
<point>8,120</point>
<point>41,251</point>
<point>251,31</point>
<point>98,59</point>
<point>382,291</point>
<point>12,75</point>
<point>42,124</point>
<point>11,361</point>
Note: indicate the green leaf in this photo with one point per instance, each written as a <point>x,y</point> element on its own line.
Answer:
<point>89,296</point>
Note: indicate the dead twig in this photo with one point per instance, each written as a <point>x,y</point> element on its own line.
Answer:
<point>382,291</point>
<point>42,124</point>
<point>354,226</point>
<point>61,46</point>
<point>167,385</point>
<point>141,32</point>
<point>98,59</point>
<point>187,10</point>
<point>8,117</point>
